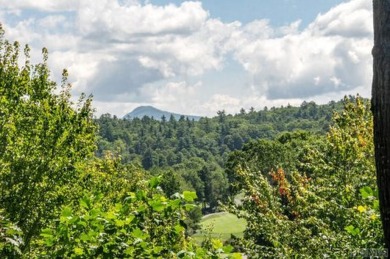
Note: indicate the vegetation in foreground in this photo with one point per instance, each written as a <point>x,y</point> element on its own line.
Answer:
<point>310,197</point>
<point>57,199</point>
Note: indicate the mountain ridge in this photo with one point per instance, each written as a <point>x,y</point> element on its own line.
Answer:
<point>157,114</point>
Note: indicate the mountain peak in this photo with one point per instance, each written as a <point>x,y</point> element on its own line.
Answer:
<point>157,114</point>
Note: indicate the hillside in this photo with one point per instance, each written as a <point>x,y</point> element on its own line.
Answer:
<point>193,154</point>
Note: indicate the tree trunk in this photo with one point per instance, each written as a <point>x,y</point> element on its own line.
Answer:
<point>381,108</point>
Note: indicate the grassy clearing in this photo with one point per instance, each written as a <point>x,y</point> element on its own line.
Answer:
<point>220,225</point>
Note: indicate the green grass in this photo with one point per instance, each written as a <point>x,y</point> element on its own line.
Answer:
<point>220,225</point>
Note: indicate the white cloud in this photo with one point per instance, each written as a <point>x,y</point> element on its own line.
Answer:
<point>55,25</point>
<point>179,93</point>
<point>160,42</point>
<point>350,19</point>
<point>127,53</point>
<point>52,21</point>
<point>82,67</point>
<point>303,64</point>
<point>119,22</point>
<point>176,40</point>
<point>42,5</point>
<point>219,102</point>
<point>22,31</point>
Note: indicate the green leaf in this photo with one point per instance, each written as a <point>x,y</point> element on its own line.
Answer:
<point>130,218</point>
<point>82,222</point>
<point>141,208</point>
<point>129,250</point>
<point>189,207</point>
<point>236,256</point>
<point>85,202</point>
<point>84,237</point>
<point>137,233</point>
<point>366,192</point>
<point>376,205</point>
<point>157,205</point>
<point>189,196</point>
<point>119,223</point>
<point>47,233</point>
<point>140,195</point>
<point>118,207</point>
<point>94,213</point>
<point>157,249</point>
<point>228,249</point>
<point>175,204</point>
<point>352,230</point>
<point>111,215</point>
<point>179,229</point>
<point>217,244</point>
<point>154,182</point>
<point>66,212</point>
<point>78,251</point>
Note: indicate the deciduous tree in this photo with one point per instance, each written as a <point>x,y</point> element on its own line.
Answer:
<point>42,138</point>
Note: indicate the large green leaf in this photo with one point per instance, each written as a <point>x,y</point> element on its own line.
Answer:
<point>189,196</point>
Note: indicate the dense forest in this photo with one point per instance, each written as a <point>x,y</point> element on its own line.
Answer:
<point>191,155</point>
<point>75,186</point>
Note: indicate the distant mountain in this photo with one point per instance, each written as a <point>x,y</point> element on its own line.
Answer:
<point>157,114</point>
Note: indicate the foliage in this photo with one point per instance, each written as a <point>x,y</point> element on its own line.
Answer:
<point>42,138</point>
<point>10,238</point>
<point>187,147</point>
<point>143,224</point>
<point>66,202</point>
<point>328,207</point>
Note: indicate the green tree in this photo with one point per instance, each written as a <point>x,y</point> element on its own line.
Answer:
<point>170,183</point>
<point>326,204</point>
<point>43,136</point>
<point>149,159</point>
<point>262,155</point>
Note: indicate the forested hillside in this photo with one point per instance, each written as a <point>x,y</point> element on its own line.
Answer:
<point>192,153</point>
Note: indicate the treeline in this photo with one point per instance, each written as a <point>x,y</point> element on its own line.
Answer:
<point>193,154</point>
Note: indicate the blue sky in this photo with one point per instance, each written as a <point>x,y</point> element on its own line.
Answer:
<point>198,57</point>
<point>279,12</point>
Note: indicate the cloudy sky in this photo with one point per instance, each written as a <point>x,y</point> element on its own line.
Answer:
<point>198,57</point>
